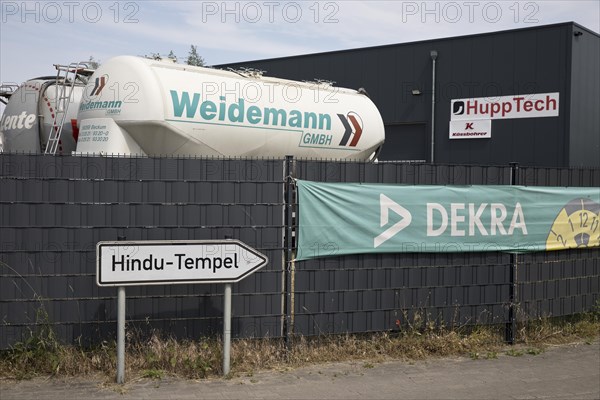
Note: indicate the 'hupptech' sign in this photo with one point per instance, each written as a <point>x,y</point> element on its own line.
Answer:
<point>350,218</point>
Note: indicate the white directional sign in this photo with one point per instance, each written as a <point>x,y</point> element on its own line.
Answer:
<point>168,262</point>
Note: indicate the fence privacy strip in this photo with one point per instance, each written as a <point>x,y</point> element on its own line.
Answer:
<point>353,218</point>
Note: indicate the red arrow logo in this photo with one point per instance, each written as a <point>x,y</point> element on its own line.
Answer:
<point>357,130</point>
<point>99,85</point>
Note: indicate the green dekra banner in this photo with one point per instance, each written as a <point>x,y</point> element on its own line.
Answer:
<point>353,218</point>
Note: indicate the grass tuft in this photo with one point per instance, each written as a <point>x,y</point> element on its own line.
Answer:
<point>156,356</point>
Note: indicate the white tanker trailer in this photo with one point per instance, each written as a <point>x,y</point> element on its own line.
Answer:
<point>138,106</point>
<point>31,113</point>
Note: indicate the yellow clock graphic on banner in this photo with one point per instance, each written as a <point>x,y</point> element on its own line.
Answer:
<point>576,225</point>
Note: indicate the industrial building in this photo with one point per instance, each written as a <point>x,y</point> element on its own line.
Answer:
<point>527,95</point>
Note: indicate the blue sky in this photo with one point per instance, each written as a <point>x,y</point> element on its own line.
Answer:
<point>35,35</point>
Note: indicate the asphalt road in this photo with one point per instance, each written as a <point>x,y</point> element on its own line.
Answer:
<point>564,372</point>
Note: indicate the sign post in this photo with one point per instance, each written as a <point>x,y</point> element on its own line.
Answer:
<point>133,263</point>
<point>226,328</point>
<point>121,334</point>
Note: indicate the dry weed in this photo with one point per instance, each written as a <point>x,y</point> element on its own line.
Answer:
<point>156,356</point>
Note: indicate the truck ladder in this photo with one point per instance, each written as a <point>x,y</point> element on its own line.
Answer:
<point>7,90</point>
<point>66,76</point>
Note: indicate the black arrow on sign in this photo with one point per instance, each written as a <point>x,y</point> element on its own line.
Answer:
<point>348,129</point>
<point>95,86</point>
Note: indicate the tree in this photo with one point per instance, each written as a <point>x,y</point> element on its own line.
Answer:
<point>93,64</point>
<point>172,56</point>
<point>194,58</point>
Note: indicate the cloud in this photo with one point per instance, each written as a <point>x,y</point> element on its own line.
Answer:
<point>242,30</point>
<point>325,26</point>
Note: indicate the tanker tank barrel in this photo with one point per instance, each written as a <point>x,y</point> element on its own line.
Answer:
<point>173,109</point>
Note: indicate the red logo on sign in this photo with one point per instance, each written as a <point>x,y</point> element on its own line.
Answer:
<point>469,125</point>
<point>99,85</point>
<point>354,128</point>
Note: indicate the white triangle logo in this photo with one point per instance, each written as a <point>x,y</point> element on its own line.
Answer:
<point>386,204</point>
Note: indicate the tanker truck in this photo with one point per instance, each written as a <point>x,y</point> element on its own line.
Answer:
<point>142,107</point>
<point>41,114</point>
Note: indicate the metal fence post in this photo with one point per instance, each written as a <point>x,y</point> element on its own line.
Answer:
<point>121,329</point>
<point>288,251</point>
<point>511,326</point>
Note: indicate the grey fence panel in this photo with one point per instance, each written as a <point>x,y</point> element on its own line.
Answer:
<point>53,211</point>
<point>385,291</point>
<point>381,292</point>
<point>410,174</point>
<point>535,176</point>
<point>558,283</point>
<point>565,282</point>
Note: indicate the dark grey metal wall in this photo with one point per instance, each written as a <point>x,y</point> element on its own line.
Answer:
<point>541,59</point>
<point>584,145</point>
<point>53,211</point>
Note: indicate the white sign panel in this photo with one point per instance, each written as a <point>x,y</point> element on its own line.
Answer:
<point>170,262</point>
<point>505,107</point>
<point>476,129</point>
